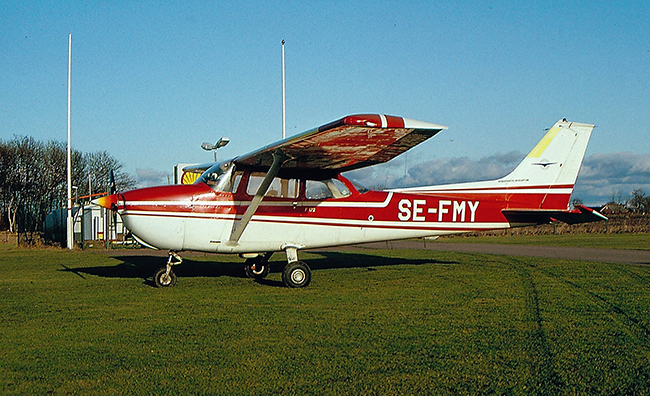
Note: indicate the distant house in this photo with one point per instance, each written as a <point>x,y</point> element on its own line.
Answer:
<point>613,208</point>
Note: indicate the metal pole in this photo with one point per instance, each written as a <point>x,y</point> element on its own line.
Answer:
<point>284,113</point>
<point>70,223</point>
<point>83,225</point>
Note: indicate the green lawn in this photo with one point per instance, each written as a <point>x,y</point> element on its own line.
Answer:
<point>388,322</point>
<point>606,241</point>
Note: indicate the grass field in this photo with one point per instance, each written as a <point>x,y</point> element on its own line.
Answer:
<point>388,322</point>
<point>633,241</point>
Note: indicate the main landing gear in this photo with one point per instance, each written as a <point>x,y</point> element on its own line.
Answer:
<point>165,277</point>
<point>294,275</point>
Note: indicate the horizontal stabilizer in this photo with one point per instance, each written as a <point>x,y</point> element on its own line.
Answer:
<point>581,214</point>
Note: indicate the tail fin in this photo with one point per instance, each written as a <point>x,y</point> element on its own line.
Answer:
<point>556,159</point>
<point>552,166</point>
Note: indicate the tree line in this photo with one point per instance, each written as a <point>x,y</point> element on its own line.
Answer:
<point>33,180</point>
<point>638,202</point>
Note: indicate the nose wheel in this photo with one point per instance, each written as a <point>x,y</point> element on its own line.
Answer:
<point>165,277</point>
<point>162,278</point>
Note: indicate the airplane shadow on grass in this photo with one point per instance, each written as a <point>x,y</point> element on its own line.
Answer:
<point>143,267</point>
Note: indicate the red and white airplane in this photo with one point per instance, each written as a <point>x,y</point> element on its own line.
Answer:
<point>290,196</point>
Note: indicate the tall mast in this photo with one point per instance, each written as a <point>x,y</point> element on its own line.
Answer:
<point>70,224</point>
<point>284,112</point>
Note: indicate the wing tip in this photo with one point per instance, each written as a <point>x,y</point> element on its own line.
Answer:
<point>383,121</point>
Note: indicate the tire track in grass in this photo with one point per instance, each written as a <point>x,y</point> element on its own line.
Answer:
<point>546,379</point>
<point>630,321</point>
<point>633,378</point>
<point>607,306</point>
<point>627,272</point>
<point>644,282</point>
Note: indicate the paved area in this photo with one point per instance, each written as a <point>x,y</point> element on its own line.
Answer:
<point>641,257</point>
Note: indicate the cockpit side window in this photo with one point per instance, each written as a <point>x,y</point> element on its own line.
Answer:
<point>279,188</point>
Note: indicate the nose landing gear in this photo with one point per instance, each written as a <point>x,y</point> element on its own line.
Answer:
<point>165,277</point>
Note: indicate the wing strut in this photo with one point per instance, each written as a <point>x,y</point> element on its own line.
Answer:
<point>279,158</point>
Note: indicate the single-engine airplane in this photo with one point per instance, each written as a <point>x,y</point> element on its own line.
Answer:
<point>290,196</point>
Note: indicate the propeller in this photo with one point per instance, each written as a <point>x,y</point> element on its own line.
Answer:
<point>112,188</point>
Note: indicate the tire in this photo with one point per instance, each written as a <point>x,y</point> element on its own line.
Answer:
<point>261,270</point>
<point>160,278</point>
<point>296,275</point>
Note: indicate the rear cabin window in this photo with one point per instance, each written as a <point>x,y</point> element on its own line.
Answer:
<point>279,188</point>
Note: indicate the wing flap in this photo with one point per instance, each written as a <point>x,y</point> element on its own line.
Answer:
<point>349,143</point>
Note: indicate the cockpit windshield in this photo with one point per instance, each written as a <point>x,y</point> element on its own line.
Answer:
<point>218,176</point>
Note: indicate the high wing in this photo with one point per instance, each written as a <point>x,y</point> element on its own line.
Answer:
<point>352,142</point>
<point>199,168</point>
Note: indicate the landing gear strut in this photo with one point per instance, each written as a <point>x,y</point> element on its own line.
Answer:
<point>165,277</point>
<point>296,273</point>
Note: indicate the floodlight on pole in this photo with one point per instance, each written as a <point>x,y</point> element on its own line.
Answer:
<point>219,144</point>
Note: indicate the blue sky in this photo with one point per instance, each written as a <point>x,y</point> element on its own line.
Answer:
<point>151,82</point>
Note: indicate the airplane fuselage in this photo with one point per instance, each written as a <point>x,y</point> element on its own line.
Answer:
<point>195,217</point>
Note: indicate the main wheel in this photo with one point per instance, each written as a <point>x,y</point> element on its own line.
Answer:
<point>161,279</point>
<point>257,267</point>
<point>296,275</point>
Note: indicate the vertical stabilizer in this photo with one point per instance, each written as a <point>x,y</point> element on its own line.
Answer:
<point>553,164</point>
<point>557,158</point>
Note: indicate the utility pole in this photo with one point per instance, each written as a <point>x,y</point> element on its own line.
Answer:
<point>70,222</point>
<point>284,113</point>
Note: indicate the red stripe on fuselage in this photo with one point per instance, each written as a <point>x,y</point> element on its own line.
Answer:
<point>465,208</point>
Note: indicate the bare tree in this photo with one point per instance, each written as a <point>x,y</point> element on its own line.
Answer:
<point>33,179</point>
<point>99,165</point>
<point>576,202</point>
<point>640,203</point>
<point>618,202</point>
